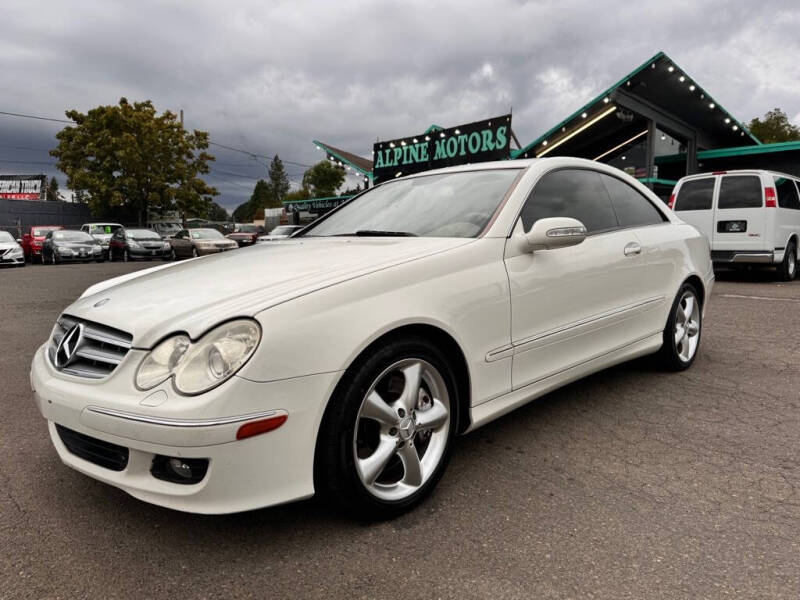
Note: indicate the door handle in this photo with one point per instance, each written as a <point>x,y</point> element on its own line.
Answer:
<point>632,249</point>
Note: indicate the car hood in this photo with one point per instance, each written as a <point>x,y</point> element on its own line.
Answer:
<point>68,244</point>
<point>8,246</point>
<point>195,295</point>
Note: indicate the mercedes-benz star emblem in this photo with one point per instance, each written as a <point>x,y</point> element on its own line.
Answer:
<point>69,345</point>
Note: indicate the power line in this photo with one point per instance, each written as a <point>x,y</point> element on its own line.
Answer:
<point>10,114</point>
<point>247,152</point>
<point>28,162</point>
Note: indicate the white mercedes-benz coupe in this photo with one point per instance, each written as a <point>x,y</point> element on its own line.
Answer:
<point>344,360</point>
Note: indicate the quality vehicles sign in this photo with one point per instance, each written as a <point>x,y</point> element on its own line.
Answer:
<point>474,142</point>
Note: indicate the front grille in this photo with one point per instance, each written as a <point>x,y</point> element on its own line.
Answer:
<point>104,454</point>
<point>100,350</point>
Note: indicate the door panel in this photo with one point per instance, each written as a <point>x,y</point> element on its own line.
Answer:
<point>739,198</point>
<point>570,305</point>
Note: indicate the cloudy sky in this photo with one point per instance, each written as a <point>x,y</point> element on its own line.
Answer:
<point>270,76</point>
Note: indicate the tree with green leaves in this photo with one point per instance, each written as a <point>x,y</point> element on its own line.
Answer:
<point>52,190</point>
<point>774,127</point>
<point>126,155</point>
<point>217,213</point>
<point>260,197</point>
<point>323,179</point>
<point>278,184</point>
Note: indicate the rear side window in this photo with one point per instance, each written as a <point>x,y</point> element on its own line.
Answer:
<point>787,193</point>
<point>633,209</point>
<point>696,194</point>
<point>740,191</point>
<point>575,193</point>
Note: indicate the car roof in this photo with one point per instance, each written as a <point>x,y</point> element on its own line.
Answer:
<point>737,172</point>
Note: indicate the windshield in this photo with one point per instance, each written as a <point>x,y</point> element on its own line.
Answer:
<point>284,230</point>
<point>168,228</point>
<point>445,205</point>
<point>103,229</point>
<point>143,234</point>
<point>205,234</point>
<point>6,237</point>
<point>72,236</point>
<point>42,231</point>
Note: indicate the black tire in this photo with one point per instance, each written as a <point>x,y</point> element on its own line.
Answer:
<point>670,356</point>
<point>335,472</point>
<point>787,270</point>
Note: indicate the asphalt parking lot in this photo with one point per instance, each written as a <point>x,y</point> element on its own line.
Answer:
<point>633,483</point>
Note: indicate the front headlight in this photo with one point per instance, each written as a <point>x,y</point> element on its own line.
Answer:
<point>16,253</point>
<point>166,245</point>
<point>134,244</point>
<point>97,250</point>
<point>199,366</point>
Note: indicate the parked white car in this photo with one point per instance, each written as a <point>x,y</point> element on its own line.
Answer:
<point>279,233</point>
<point>11,252</point>
<point>750,217</point>
<point>344,361</point>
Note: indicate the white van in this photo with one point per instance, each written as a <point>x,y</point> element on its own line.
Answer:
<point>750,217</point>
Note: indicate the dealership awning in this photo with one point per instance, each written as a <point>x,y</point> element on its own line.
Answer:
<point>657,95</point>
<point>344,158</point>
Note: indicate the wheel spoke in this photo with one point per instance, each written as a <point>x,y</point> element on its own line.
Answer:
<point>680,333</point>
<point>372,466</point>
<point>411,464</point>
<point>410,396</point>
<point>434,417</point>
<point>376,408</point>
<point>688,310</point>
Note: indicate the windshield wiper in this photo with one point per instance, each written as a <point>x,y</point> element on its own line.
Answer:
<point>378,233</point>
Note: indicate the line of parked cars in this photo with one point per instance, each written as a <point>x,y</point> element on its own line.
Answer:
<point>53,244</point>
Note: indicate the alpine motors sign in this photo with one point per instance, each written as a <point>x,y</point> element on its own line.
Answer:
<point>474,142</point>
<point>22,187</point>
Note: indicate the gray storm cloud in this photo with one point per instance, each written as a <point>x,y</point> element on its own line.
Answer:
<point>271,76</point>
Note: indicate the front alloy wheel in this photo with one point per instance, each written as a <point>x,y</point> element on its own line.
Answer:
<point>385,439</point>
<point>402,429</point>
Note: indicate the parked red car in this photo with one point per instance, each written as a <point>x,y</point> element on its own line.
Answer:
<point>32,241</point>
<point>245,235</point>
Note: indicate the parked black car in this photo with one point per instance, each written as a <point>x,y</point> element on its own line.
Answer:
<point>130,244</point>
<point>64,245</point>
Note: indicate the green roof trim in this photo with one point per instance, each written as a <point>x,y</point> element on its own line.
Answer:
<point>736,151</point>
<point>341,158</point>
<point>434,127</point>
<point>621,82</point>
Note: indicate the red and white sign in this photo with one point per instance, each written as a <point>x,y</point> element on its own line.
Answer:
<point>21,187</point>
<point>10,196</point>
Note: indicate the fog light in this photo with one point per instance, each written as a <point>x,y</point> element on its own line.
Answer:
<point>180,468</point>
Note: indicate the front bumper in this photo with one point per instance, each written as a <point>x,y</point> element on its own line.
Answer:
<point>143,253</point>
<point>79,257</point>
<point>16,261</point>
<point>264,470</point>
<point>212,250</point>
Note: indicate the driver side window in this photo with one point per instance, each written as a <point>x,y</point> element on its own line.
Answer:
<point>576,193</point>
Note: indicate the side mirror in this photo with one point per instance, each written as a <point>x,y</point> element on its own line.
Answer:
<point>19,241</point>
<point>555,232</point>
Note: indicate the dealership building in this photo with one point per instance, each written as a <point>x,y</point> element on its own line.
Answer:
<point>657,123</point>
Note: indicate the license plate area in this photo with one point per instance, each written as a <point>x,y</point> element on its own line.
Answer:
<point>731,226</point>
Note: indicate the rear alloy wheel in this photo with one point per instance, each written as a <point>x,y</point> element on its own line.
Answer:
<point>194,253</point>
<point>682,333</point>
<point>788,268</point>
<point>386,437</point>
<point>126,257</point>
